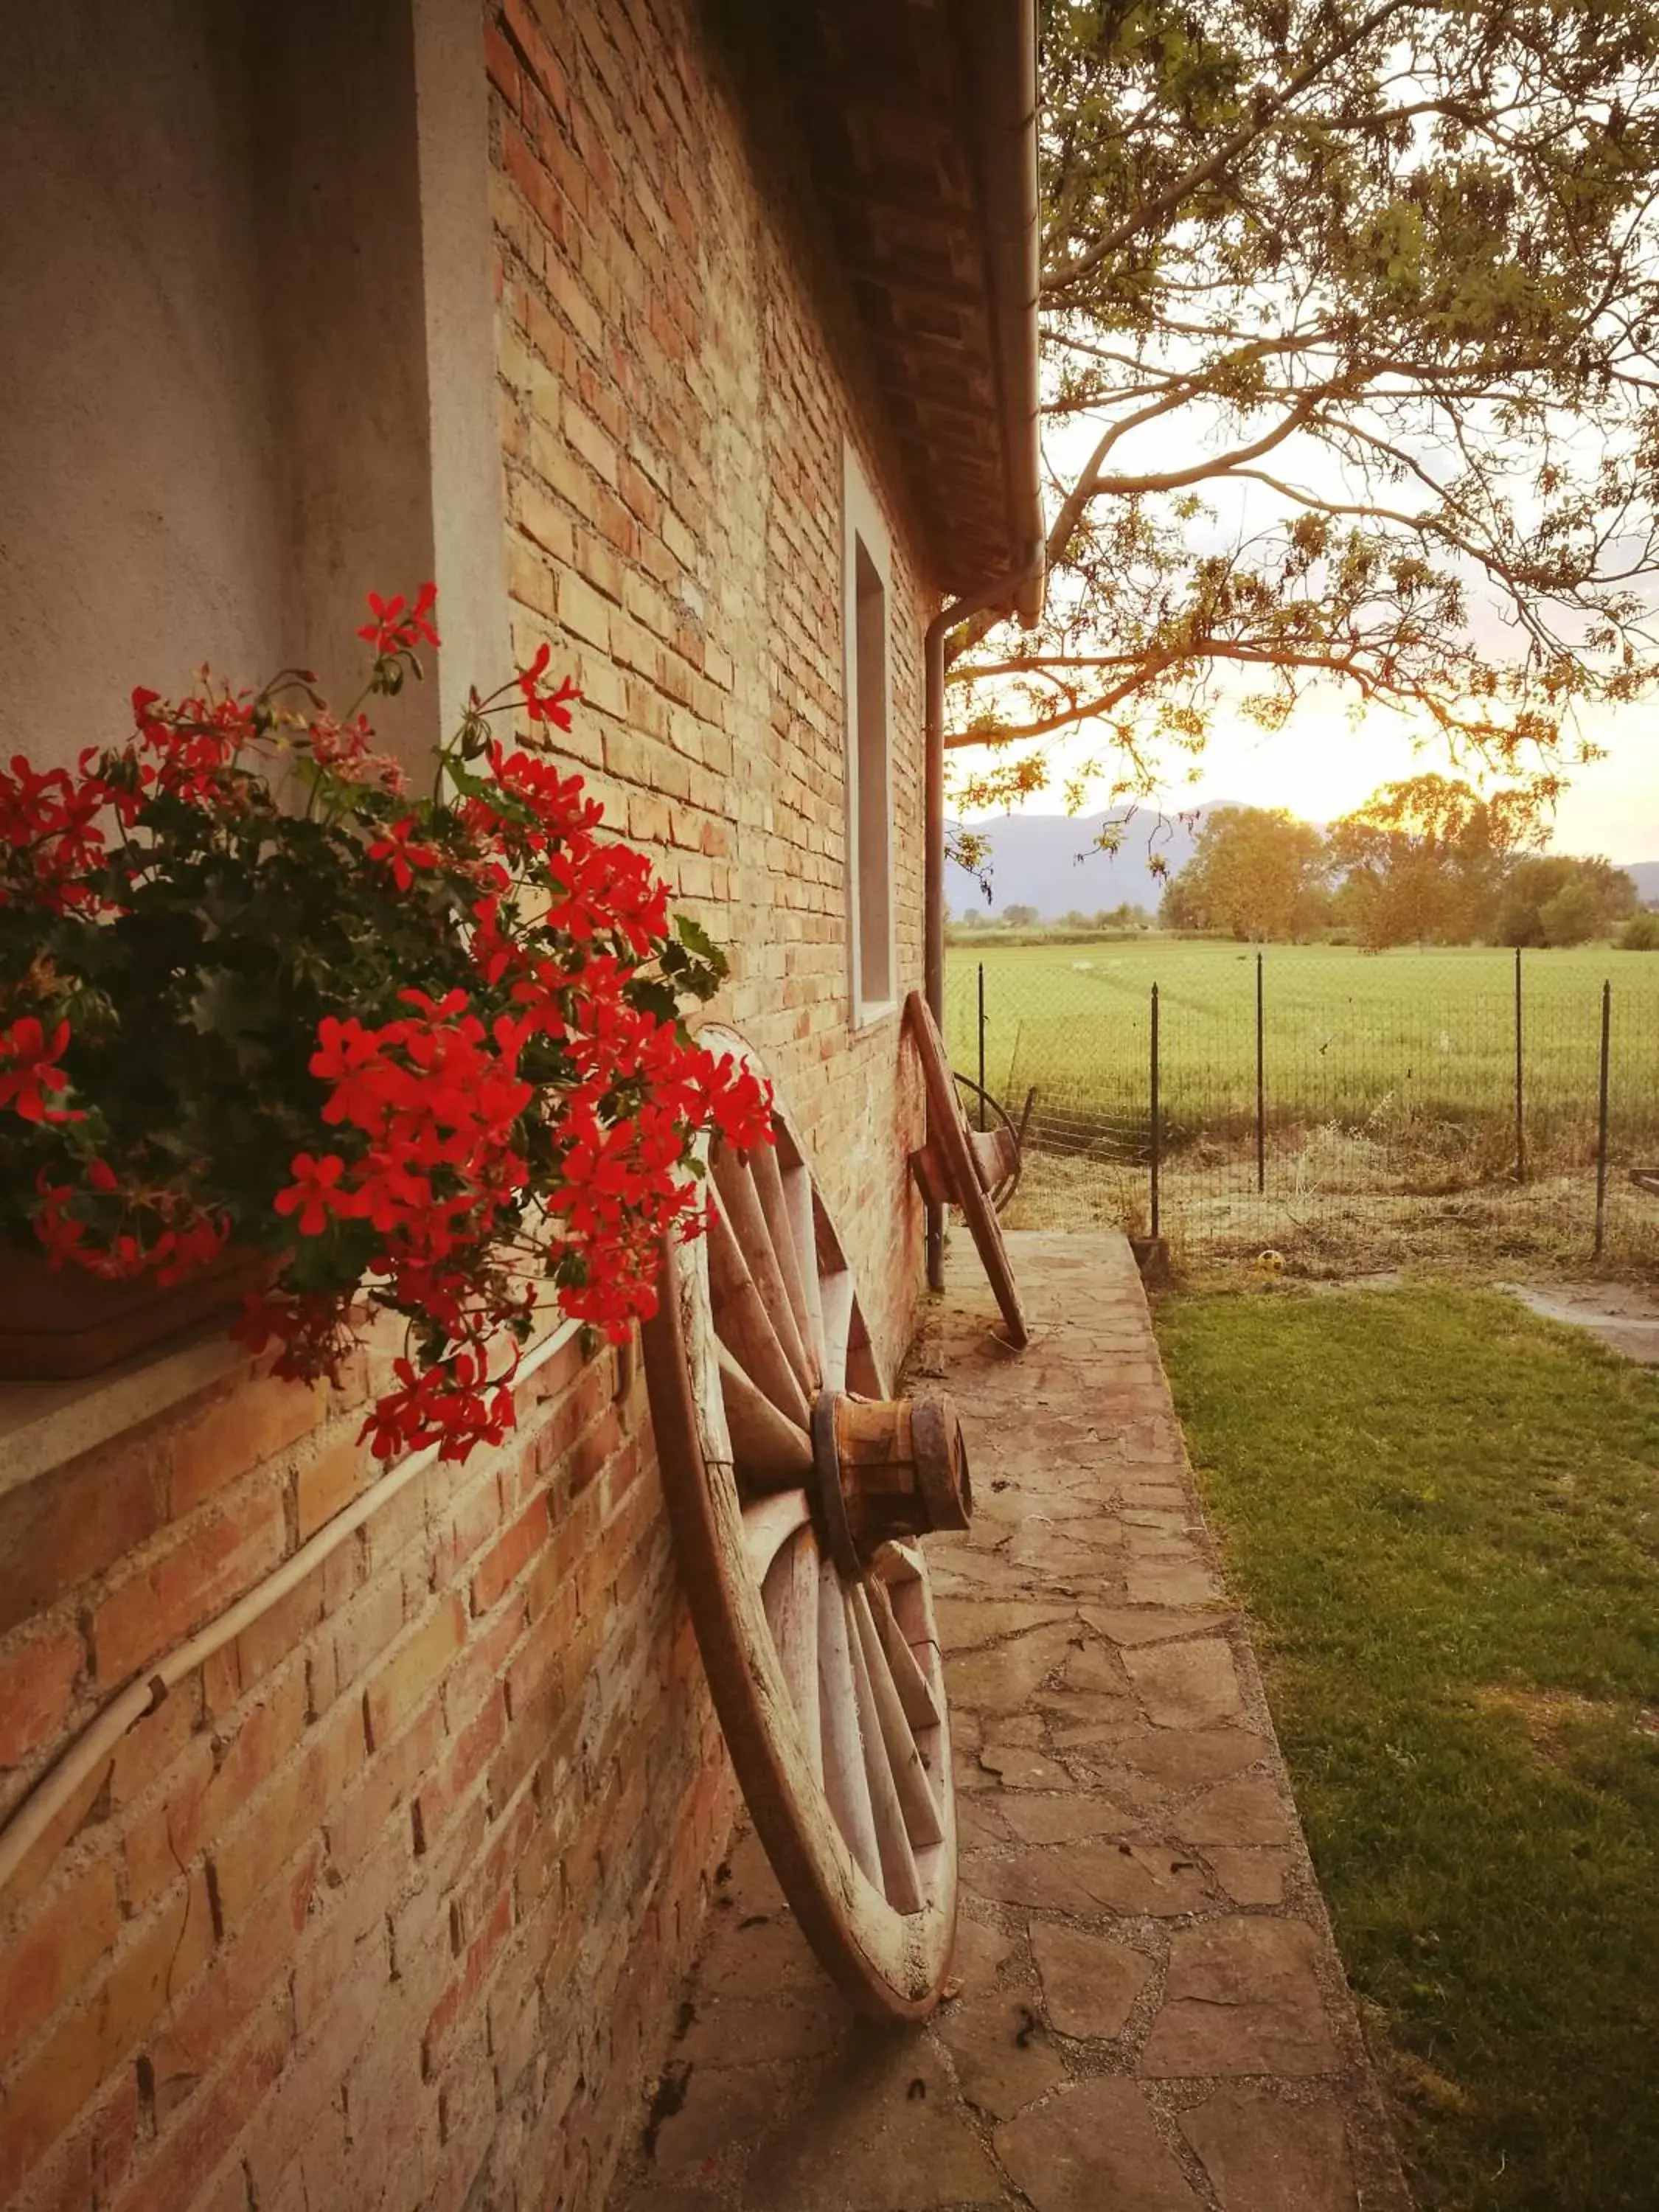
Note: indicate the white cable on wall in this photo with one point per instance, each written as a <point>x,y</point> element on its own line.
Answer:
<point>34,1814</point>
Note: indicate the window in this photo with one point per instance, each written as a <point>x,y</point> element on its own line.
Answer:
<point>867,573</point>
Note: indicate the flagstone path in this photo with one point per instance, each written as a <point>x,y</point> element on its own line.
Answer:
<point>1152,2017</point>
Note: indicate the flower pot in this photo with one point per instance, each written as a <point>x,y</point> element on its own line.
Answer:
<point>56,1323</point>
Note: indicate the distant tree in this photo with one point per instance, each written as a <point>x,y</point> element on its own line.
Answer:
<point>1179,907</point>
<point>1074,919</point>
<point>1549,899</point>
<point>1255,872</point>
<point>1640,934</point>
<point>1021,917</point>
<point>1424,861</point>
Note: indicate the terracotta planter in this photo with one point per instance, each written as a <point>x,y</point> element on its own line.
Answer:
<point>58,1323</point>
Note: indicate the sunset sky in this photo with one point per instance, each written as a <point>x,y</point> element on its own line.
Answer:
<point>1320,765</point>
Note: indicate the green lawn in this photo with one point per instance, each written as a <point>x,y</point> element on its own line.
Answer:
<point>1443,1517</point>
<point>1406,1045</point>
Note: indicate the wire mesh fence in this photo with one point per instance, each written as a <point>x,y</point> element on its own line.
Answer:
<point>1335,1112</point>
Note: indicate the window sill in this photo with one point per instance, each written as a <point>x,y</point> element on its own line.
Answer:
<point>43,1424</point>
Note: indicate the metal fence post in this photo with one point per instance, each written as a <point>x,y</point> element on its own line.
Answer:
<point>1520,1071</point>
<point>1261,1085</point>
<point>1602,1124</point>
<point>982,1044</point>
<point>1157,1131</point>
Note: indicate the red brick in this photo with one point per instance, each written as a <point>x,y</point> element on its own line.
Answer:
<point>402,1680</point>
<point>189,2151</point>
<point>593,1448</point>
<point>44,1963</point>
<point>510,1555</point>
<point>472,1521</point>
<point>162,1840</point>
<point>241,1976</point>
<point>540,58</point>
<point>59,1531</point>
<point>305,2105</point>
<point>237,1428</point>
<point>265,1643</point>
<point>326,1485</point>
<point>458,1998</point>
<point>222,1555</point>
<point>101,2032</point>
<point>90,2164</point>
<point>366,1627</point>
<point>537,1665</point>
<point>532,180</point>
<point>150,1746</point>
<point>285,1814</point>
<point>348,1938</point>
<point>37,1685</point>
<point>468,1755</point>
<point>502,64</point>
<point>214,1784</point>
<point>357,1821</point>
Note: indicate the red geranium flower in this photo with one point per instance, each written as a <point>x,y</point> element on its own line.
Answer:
<point>314,1194</point>
<point>31,1073</point>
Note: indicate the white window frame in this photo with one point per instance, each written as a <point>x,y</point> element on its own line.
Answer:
<point>863,529</point>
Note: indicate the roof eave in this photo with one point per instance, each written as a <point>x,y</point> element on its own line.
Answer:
<point>1000,41</point>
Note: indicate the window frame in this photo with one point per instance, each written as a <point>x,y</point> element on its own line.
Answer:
<point>863,530</point>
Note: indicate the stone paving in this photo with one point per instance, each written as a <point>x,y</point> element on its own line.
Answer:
<point>1151,2015</point>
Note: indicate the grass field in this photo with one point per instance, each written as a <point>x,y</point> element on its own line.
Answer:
<point>1390,1077</point>
<point>1348,1036</point>
<point>1442,1516</point>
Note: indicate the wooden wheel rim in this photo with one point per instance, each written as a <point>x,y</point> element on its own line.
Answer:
<point>947,1133</point>
<point>800,1659</point>
<point>1002,1191</point>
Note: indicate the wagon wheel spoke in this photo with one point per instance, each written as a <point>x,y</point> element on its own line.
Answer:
<point>768,1527</point>
<point>770,1448</point>
<point>740,1204</point>
<point>798,1199</point>
<point>790,1595</point>
<point>794,1264</point>
<point>744,1324</point>
<point>838,1299</point>
<point>797,1488</point>
<point>911,1786</point>
<point>846,1776</point>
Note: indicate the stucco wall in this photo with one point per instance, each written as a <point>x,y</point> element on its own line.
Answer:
<point>139,525</point>
<point>246,373</point>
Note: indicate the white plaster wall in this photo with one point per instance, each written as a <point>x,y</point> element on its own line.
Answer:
<point>138,519</point>
<point>246,366</point>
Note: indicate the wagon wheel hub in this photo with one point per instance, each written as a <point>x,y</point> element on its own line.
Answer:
<point>885,1470</point>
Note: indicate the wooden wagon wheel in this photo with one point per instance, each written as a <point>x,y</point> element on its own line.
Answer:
<point>999,1152</point>
<point>965,1165</point>
<point>796,1491</point>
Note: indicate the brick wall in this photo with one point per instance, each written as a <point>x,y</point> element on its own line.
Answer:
<point>676,385</point>
<point>386,1904</point>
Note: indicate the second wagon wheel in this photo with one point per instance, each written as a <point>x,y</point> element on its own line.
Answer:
<point>797,1490</point>
<point>965,1166</point>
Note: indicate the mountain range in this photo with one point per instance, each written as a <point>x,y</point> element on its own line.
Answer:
<point>1053,861</point>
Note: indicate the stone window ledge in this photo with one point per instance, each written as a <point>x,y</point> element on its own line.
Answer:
<point>42,1425</point>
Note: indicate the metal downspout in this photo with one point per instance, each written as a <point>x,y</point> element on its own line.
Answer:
<point>1003,593</point>
<point>1001,54</point>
